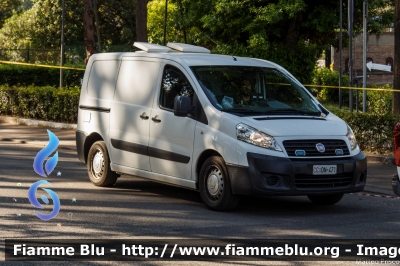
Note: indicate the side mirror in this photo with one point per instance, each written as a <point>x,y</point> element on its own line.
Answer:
<point>182,106</point>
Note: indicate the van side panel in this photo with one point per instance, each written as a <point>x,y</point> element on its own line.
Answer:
<point>100,85</point>
<point>96,97</point>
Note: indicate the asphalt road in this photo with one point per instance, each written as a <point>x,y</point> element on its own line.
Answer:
<point>137,208</point>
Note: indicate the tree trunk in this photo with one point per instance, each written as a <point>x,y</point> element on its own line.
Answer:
<point>96,18</point>
<point>88,26</point>
<point>293,33</point>
<point>141,20</point>
<point>396,67</point>
<point>180,6</point>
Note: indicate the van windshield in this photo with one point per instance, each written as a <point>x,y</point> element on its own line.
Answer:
<point>246,90</point>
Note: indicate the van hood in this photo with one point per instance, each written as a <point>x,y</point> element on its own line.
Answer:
<point>296,125</point>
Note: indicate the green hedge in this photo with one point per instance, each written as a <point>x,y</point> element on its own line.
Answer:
<point>42,103</point>
<point>378,102</point>
<point>16,75</point>
<point>374,132</point>
<point>327,77</point>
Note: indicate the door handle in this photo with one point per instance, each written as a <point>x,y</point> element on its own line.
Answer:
<point>155,119</point>
<point>144,116</point>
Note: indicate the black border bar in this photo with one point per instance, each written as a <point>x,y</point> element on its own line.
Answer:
<point>386,251</point>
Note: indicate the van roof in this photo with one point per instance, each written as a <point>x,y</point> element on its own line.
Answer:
<point>186,54</point>
<point>190,59</point>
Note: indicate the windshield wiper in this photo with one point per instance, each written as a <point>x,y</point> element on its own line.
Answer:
<point>243,111</point>
<point>271,111</point>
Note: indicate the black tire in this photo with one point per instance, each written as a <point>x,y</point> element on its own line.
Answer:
<point>326,199</point>
<point>396,184</point>
<point>215,187</point>
<point>98,165</point>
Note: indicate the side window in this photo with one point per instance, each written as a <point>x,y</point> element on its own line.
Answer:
<point>174,83</point>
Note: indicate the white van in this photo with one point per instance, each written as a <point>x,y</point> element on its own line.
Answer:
<point>223,125</point>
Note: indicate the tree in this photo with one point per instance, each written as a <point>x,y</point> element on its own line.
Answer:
<point>141,20</point>
<point>155,13</point>
<point>88,25</point>
<point>291,33</point>
<point>183,21</point>
<point>8,8</point>
<point>40,26</point>
<point>117,22</point>
<point>396,81</point>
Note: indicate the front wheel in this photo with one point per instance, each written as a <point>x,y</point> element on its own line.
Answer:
<point>98,165</point>
<point>326,199</point>
<point>215,187</point>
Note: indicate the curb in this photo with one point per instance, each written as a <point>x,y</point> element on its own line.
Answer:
<point>366,194</point>
<point>36,123</point>
<point>383,159</point>
<point>60,146</point>
<point>375,190</point>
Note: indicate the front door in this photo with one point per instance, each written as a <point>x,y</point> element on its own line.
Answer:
<point>171,137</point>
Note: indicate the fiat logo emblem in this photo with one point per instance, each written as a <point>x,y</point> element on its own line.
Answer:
<point>320,147</point>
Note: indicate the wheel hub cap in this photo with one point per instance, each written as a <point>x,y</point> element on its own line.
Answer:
<point>213,184</point>
<point>98,162</point>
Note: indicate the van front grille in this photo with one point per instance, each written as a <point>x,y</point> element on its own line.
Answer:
<point>309,147</point>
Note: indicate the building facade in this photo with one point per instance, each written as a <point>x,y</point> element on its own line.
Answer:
<point>380,50</point>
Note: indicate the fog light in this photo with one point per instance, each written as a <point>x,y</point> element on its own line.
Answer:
<point>273,180</point>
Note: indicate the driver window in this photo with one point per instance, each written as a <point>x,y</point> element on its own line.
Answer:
<point>174,83</point>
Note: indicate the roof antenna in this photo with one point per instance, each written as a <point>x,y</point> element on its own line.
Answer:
<point>234,58</point>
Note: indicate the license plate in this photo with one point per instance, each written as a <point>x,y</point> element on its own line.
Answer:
<point>324,169</point>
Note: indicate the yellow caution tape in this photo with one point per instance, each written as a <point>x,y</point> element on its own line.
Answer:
<point>284,84</point>
<point>37,65</point>
<point>337,87</point>
<point>351,88</point>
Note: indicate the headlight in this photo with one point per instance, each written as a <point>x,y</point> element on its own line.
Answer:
<point>351,137</point>
<point>253,136</point>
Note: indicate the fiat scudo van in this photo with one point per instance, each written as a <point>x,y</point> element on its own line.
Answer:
<point>225,126</point>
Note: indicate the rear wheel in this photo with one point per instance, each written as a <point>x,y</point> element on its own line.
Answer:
<point>215,187</point>
<point>98,165</point>
<point>326,199</point>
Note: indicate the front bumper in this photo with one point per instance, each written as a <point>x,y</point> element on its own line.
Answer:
<point>269,175</point>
